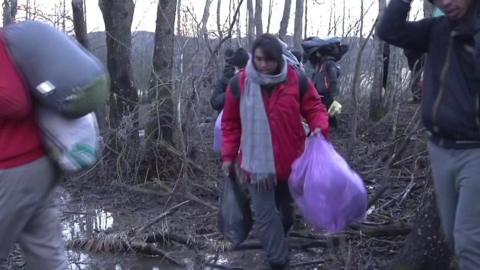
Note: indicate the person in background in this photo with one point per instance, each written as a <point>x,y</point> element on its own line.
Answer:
<point>27,178</point>
<point>450,111</point>
<point>262,135</point>
<point>235,61</point>
<point>325,76</point>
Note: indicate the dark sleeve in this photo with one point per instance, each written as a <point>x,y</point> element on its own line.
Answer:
<point>332,77</point>
<point>396,30</point>
<point>314,111</point>
<point>218,97</point>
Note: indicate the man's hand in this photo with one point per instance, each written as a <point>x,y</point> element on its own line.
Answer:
<point>227,167</point>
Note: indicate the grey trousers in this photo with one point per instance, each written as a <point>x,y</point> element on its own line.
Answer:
<point>456,175</point>
<point>28,216</point>
<point>273,217</point>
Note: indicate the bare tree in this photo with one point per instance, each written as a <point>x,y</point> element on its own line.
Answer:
<point>205,16</point>
<point>118,15</point>
<point>377,109</point>
<point>161,83</point>
<point>330,19</point>
<point>79,22</point>
<point>269,19</point>
<point>306,19</point>
<point>219,25</point>
<point>250,22</point>
<point>282,33</point>
<point>258,17</point>
<point>64,15</point>
<point>298,26</point>
<point>238,28</point>
<point>362,8</point>
<point>9,11</point>
<point>343,18</point>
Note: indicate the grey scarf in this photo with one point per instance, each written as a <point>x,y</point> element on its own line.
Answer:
<point>258,163</point>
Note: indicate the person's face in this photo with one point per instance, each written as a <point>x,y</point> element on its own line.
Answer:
<point>264,65</point>
<point>454,9</point>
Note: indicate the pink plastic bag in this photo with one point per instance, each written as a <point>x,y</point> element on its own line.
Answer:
<point>328,192</point>
<point>217,134</point>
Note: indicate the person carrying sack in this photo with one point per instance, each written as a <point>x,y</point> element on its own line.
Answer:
<point>262,133</point>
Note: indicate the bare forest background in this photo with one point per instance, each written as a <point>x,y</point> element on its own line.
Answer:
<point>157,128</point>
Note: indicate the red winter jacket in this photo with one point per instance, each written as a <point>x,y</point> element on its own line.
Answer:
<point>284,114</point>
<point>19,136</point>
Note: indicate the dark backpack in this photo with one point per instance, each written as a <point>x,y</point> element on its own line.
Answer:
<point>302,85</point>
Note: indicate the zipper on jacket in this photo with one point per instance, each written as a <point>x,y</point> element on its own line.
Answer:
<point>441,91</point>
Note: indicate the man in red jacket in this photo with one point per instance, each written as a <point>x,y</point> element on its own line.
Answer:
<point>262,131</point>
<point>27,178</point>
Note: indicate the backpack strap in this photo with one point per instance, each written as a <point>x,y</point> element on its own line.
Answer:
<point>302,84</point>
<point>235,86</point>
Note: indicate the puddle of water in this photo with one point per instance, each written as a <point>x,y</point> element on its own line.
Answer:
<point>83,224</point>
<point>82,261</point>
<point>82,221</point>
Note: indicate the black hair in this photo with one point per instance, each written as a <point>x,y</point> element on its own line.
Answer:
<point>240,58</point>
<point>270,46</point>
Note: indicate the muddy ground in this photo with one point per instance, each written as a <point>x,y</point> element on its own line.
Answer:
<point>94,209</point>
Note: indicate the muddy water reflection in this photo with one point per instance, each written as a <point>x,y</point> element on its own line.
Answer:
<point>84,224</point>
<point>80,221</point>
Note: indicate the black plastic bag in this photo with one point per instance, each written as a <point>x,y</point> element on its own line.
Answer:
<point>234,217</point>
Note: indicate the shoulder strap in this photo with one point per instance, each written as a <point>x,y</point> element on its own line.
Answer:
<point>302,84</point>
<point>235,86</point>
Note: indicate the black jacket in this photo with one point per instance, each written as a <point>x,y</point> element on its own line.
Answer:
<point>218,97</point>
<point>450,110</point>
<point>326,79</point>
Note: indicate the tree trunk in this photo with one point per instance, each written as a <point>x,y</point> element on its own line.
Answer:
<point>425,247</point>
<point>282,33</point>
<point>258,17</point>
<point>9,11</point>
<point>161,84</point>
<point>362,15</point>
<point>343,19</point>
<point>306,20</point>
<point>64,16</point>
<point>118,15</point>
<point>79,22</point>
<point>219,23</point>
<point>377,110</point>
<point>239,29</point>
<point>330,19</point>
<point>205,16</point>
<point>269,20</point>
<point>250,23</point>
<point>298,27</point>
